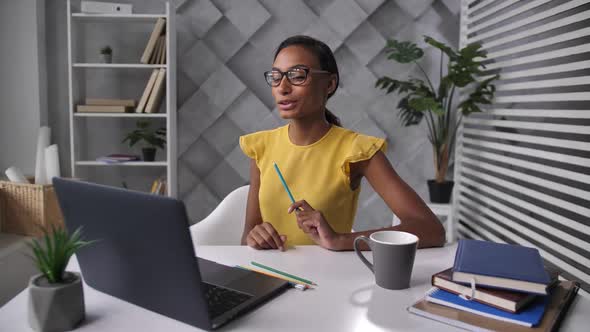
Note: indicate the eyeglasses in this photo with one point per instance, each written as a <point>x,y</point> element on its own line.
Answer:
<point>295,76</point>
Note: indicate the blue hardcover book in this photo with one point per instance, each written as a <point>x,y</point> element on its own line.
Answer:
<point>499,265</point>
<point>530,316</point>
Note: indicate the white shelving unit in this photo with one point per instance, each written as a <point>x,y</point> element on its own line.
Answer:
<point>77,133</point>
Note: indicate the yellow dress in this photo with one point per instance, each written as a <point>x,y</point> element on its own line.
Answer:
<point>318,173</point>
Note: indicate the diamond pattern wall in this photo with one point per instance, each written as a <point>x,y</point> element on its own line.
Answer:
<point>225,45</point>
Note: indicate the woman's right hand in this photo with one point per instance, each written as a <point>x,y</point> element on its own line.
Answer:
<point>265,236</point>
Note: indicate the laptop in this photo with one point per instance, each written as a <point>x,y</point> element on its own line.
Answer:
<point>144,255</point>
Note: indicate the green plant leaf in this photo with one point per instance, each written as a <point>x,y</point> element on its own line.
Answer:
<point>403,52</point>
<point>38,257</point>
<point>392,85</point>
<point>426,104</point>
<point>161,131</point>
<point>52,254</point>
<point>407,114</point>
<point>464,67</point>
<point>143,124</point>
<point>443,87</point>
<point>482,94</point>
<point>154,138</point>
<point>441,46</point>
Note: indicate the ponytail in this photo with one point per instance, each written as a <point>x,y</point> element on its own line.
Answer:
<point>332,119</point>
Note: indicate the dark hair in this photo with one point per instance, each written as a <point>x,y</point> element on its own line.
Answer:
<point>325,58</point>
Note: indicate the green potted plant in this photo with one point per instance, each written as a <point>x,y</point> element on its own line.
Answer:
<point>56,297</point>
<point>422,100</point>
<point>153,138</point>
<point>107,54</point>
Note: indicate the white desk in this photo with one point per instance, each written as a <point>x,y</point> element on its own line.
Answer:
<point>347,298</point>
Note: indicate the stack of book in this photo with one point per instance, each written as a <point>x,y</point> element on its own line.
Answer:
<point>494,286</point>
<point>117,158</point>
<point>96,105</point>
<point>159,187</point>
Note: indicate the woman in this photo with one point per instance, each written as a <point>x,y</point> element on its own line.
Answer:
<point>322,163</point>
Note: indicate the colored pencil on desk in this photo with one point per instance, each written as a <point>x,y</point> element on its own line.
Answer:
<point>284,273</point>
<point>291,281</point>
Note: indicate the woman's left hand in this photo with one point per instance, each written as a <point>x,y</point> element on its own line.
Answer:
<point>313,223</point>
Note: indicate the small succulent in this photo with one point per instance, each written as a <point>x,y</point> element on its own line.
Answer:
<point>106,50</point>
<point>53,251</point>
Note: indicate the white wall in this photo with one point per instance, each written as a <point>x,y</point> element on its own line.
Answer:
<point>23,93</point>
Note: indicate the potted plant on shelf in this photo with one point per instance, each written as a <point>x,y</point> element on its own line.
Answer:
<point>422,100</point>
<point>56,297</point>
<point>107,54</point>
<point>153,138</point>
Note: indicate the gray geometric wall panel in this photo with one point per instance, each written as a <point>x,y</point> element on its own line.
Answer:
<point>224,46</point>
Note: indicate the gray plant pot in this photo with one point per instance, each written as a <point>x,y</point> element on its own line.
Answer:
<point>55,307</point>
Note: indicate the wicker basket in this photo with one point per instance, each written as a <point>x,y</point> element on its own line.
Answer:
<point>25,207</point>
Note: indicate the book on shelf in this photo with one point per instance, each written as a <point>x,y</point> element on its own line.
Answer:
<point>157,57</point>
<point>158,187</point>
<point>146,92</point>
<point>154,57</point>
<point>502,299</point>
<point>164,50</point>
<point>153,104</point>
<point>151,59</point>
<point>161,49</point>
<point>499,265</point>
<point>110,102</point>
<point>102,109</point>
<point>559,302</point>
<point>151,44</point>
<point>118,158</point>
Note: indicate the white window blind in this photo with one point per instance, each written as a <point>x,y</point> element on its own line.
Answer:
<point>523,166</point>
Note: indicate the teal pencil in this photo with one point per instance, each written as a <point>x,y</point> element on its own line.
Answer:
<point>285,185</point>
<point>284,182</point>
<point>284,273</point>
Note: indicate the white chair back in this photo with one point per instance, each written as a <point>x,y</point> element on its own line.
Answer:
<point>223,226</point>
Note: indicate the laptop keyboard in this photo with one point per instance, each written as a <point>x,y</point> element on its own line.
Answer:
<point>221,299</point>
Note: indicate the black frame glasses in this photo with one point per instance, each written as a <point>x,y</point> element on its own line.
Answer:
<point>295,75</point>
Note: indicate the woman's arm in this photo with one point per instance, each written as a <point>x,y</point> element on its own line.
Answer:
<point>415,216</point>
<point>253,216</point>
<point>258,234</point>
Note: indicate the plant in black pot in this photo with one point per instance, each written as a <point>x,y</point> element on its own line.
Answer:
<point>422,100</point>
<point>107,54</point>
<point>56,297</point>
<point>154,138</point>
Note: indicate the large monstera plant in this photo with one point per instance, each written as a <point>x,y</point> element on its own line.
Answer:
<point>421,100</point>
